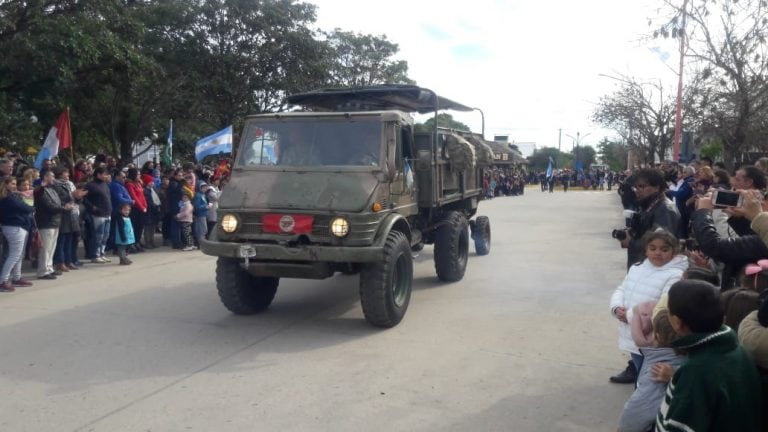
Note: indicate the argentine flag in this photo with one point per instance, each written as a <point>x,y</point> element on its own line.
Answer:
<point>60,136</point>
<point>220,142</point>
<point>549,168</point>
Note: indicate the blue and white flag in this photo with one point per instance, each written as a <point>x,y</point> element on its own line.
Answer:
<point>220,142</point>
<point>549,168</point>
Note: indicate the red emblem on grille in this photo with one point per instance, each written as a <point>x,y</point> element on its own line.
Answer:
<point>287,224</point>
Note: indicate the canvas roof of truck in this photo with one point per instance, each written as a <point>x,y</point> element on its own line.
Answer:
<point>407,98</point>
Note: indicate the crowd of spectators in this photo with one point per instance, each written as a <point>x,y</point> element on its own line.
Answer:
<point>68,213</point>
<point>691,310</point>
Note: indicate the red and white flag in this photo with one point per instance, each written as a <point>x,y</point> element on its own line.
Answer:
<point>59,137</point>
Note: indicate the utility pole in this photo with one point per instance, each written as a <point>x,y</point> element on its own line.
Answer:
<point>559,138</point>
<point>679,107</point>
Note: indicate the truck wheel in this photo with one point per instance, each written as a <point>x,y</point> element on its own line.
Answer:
<point>451,247</point>
<point>385,287</point>
<point>481,233</point>
<point>241,292</point>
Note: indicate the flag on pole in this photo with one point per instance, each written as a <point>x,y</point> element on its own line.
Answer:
<point>59,137</point>
<point>167,156</point>
<point>549,168</point>
<point>220,142</point>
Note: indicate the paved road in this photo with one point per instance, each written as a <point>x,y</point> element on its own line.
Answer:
<point>523,343</point>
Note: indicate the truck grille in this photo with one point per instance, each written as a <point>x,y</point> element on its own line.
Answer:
<point>252,225</point>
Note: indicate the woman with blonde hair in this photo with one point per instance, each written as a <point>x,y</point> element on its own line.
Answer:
<point>16,222</point>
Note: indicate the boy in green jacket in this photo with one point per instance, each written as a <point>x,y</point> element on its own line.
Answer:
<point>718,387</point>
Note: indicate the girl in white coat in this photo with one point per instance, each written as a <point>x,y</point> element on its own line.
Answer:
<point>645,282</point>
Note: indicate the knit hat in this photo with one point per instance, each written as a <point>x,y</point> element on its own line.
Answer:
<point>147,179</point>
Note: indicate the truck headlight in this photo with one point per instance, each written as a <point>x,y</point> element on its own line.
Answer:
<point>339,227</point>
<point>229,223</point>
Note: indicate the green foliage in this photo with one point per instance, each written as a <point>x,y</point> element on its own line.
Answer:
<point>443,120</point>
<point>713,149</point>
<point>126,67</point>
<point>613,153</point>
<point>539,161</point>
<point>584,154</point>
<point>364,60</point>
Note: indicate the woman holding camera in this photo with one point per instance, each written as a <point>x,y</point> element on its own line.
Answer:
<point>655,211</point>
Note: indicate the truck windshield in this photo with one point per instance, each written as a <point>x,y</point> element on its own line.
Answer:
<point>311,142</point>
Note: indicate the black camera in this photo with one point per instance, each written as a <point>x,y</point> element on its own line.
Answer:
<point>689,244</point>
<point>619,234</point>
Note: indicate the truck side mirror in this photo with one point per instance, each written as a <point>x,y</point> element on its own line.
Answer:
<point>391,169</point>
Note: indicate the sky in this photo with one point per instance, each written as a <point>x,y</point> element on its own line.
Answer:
<point>532,67</point>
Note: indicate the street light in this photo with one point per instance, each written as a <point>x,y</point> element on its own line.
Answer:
<point>577,140</point>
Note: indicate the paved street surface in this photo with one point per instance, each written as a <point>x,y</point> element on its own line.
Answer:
<point>523,343</point>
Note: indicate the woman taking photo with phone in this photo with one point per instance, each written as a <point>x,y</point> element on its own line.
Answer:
<point>734,253</point>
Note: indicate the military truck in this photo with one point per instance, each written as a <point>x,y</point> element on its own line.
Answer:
<point>347,184</point>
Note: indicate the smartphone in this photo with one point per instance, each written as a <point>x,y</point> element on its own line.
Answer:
<point>726,198</point>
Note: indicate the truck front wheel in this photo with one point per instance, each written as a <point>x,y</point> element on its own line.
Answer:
<point>241,292</point>
<point>451,247</point>
<point>385,287</point>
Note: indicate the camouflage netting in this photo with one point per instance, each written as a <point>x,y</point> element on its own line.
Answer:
<point>483,152</point>
<point>461,154</point>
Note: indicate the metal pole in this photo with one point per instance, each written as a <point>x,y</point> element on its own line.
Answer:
<point>559,138</point>
<point>679,107</point>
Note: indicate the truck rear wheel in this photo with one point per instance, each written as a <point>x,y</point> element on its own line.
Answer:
<point>481,233</point>
<point>451,247</point>
<point>385,287</point>
<point>241,292</point>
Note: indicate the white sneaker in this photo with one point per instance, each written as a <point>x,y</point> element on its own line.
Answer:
<point>189,248</point>
<point>105,259</point>
<point>98,260</point>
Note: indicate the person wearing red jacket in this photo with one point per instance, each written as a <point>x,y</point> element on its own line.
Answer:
<point>136,191</point>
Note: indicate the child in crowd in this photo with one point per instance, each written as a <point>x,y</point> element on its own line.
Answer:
<point>152,216</point>
<point>185,218</point>
<point>200,205</point>
<point>642,407</point>
<point>717,388</point>
<point>124,233</point>
<point>645,282</point>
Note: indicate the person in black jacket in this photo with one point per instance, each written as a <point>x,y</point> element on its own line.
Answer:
<point>734,253</point>
<point>98,208</point>
<point>173,197</point>
<point>655,211</point>
<point>16,221</point>
<point>48,210</point>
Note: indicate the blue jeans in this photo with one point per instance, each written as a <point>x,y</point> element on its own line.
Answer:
<point>100,234</point>
<point>637,359</point>
<point>17,238</point>
<point>63,252</point>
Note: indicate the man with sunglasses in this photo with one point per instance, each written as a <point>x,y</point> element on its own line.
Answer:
<point>655,211</point>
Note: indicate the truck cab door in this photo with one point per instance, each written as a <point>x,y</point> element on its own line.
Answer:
<point>403,185</point>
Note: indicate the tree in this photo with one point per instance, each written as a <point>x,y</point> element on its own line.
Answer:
<point>585,155</point>
<point>613,153</point>
<point>443,120</point>
<point>643,114</point>
<point>539,161</point>
<point>726,43</point>
<point>364,60</point>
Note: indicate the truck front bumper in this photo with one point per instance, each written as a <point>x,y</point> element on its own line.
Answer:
<point>309,253</point>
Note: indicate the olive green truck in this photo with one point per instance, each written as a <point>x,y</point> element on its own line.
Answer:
<point>349,184</point>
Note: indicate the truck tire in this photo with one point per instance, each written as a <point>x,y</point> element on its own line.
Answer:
<point>481,233</point>
<point>451,247</point>
<point>241,292</point>
<point>385,287</point>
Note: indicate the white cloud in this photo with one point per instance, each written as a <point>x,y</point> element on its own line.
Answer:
<point>533,67</point>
